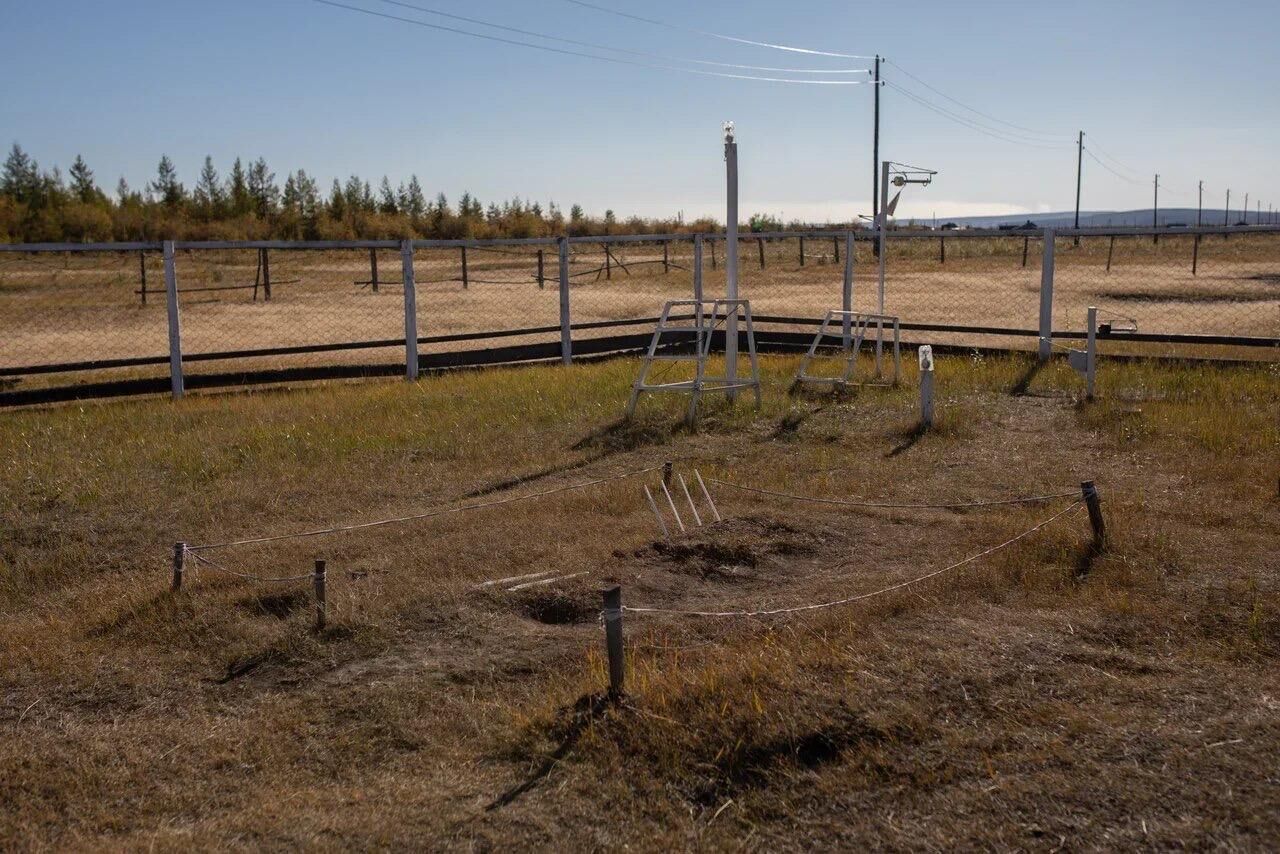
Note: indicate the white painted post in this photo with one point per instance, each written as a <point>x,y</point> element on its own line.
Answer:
<point>926,385</point>
<point>1046,297</point>
<point>1091,353</point>
<point>410,311</point>
<point>697,266</point>
<point>175,326</point>
<point>566,331</point>
<point>731,257</point>
<point>846,296</point>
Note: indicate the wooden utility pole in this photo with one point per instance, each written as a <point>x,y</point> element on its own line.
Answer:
<point>1199,204</point>
<point>1244,211</point>
<point>1079,170</point>
<point>875,147</point>
<point>1226,212</point>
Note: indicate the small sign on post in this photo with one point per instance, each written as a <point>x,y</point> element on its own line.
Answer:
<point>926,385</point>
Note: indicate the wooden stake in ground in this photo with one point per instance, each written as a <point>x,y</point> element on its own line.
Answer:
<point>179,559</point>
<point>320,595</point>
<point>373,269</point>
<point>464,268</point>
<point>613,641</point>
<point>1091,500</point>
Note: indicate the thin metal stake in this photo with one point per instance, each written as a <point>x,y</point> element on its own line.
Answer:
<point>653,505</point>
<point>707,495</point>
<point>689,498</point>
<point>672,505</point>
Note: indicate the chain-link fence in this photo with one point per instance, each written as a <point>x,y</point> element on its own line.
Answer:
<point>73,317</point>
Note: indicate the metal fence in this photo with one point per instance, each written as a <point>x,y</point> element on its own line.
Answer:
<point>81,320</point>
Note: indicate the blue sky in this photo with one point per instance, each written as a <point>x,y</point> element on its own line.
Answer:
<point>1183,89</point>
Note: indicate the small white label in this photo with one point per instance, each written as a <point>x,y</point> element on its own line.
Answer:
<point>926,358</point>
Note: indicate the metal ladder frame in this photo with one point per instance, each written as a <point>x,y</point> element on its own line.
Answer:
<point>853,331</point>
<point>703,329</point>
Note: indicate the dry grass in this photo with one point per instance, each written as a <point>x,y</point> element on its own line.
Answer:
<point>1045,696</point>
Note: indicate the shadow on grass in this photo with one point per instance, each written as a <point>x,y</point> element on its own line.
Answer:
<point>913,436</point>
<point>587,710</point>
<point>1023,383</point>
<point>625,435</point>
<point>1084,564</point>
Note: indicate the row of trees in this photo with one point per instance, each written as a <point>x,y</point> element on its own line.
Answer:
<point>251,204</point>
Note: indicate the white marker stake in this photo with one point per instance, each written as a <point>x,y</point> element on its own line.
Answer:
<point>926,385</point>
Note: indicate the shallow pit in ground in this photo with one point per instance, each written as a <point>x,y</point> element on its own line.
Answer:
<point>559,607</point>
<point>733,550</point>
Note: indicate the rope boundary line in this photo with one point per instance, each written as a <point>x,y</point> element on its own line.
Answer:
<point>416,516</point>
<point>894,505</point>
<point>217,567</point>
<point>900,585</point>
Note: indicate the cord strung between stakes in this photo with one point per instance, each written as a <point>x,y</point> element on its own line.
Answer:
<point>220,568</point>
<point>896,505</point>
<point>883,590</point>
<point>427,515</point>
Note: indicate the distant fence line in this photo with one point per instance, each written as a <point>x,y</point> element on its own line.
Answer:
<point>68,320</point>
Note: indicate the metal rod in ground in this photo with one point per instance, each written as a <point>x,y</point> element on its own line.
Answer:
<point>320,595</point>
<point>707,495</point>
<point>613,641</point>
<point>1091,500</point>
<point>672,504</point>
<point>653,505</point>
<point>179,560</point>
<point>689,498</point>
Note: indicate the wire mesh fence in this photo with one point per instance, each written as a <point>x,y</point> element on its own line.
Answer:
<point>73,315</point>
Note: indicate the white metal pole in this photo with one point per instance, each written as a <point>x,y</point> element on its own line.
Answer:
<point>731,257</point>
<point>883,228</point>
<point>410,311</point>
<point>175,327</point>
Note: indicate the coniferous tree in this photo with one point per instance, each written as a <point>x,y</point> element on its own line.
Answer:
<point>82,185</point>
<point>20,179</point>
<point>209,195</point>
<point>238,190</point>
<point>415,202</point>
<point>262,188</point>
<point>337,202</point>
<point>166,187</point>
<point>387,197</point>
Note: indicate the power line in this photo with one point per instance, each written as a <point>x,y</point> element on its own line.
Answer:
<point>971,109</point>
<point>1112,159</point>
<point>770,45</point>
<point>596,46</point>
<point>1109,169</point>
<point>995,133</point>
<point>566,52</point>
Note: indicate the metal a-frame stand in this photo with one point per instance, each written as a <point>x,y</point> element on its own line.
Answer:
<point>704,325</point>
<point>851,329</point>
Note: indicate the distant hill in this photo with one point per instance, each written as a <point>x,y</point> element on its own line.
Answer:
<point>1093,219</point>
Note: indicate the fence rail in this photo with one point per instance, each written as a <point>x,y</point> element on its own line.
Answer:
<point>82,319</point>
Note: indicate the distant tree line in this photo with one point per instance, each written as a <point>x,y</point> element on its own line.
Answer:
<point>250,203</point>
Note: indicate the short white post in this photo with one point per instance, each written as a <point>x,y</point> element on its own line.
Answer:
<point>731,259</point>
<point>410,311</point>
<point>926,385</point>
<point>846,293</point>
<point>697,266</point>
<point>1091,353</point>
<point>175,326</point>
<point>1046,296</point>
<point>566,330</point>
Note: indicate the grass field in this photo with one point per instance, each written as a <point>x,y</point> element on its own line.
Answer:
<point>1044,696</point>
<point>69,307</point>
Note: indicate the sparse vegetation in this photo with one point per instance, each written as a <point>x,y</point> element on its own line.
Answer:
<point>1047,696</point>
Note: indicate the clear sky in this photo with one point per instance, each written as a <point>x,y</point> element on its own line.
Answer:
<point>1185,89</point>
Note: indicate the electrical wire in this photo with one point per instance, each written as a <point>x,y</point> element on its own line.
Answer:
<point>995,133</point>
<point>566,52</point>
<point>971,109</point>
<point>720,36</point>
<point>596,46</point>
<point>1093,141</point>
<point>1109,169</point>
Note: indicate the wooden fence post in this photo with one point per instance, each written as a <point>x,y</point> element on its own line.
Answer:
<point>666,257</point>
<point>179,564</point>
<point>760,243</point>
<point>266,275</point>
<point>542,280</point>
<point>666,472</point>
<point>142,271</point>
<point>942,250</point>
<point>410,310</point>
<point>1026,241</point>
<point>613,641</point>
<point>1195,256</point>
<point>566,328</point>
<point>713,255</point>
<point>697,265</point>
<point>373,269</point>
<point>464,268</point>
<point>835,246</point>
<point>175,325</point>
<point>319,582</point>
<point>1111,249</point>
<point>802,250</point>
<point>608,262</point>
<point>1094,503</point>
